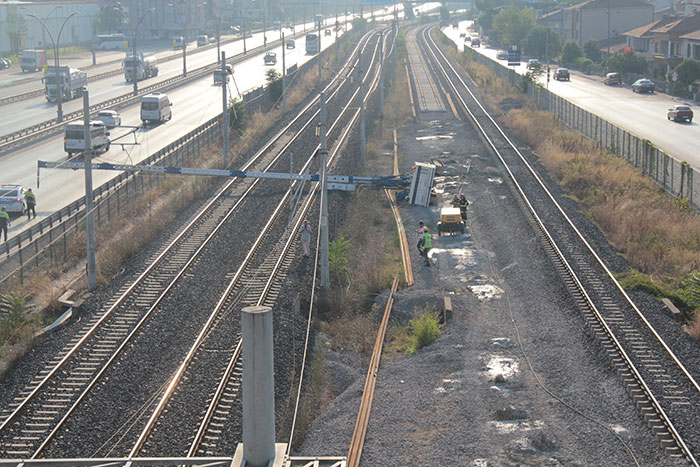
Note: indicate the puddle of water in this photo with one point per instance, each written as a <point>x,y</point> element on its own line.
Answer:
<point>486,291</point>
<point>503,366</point>
<point>433,137</point>
<point>512,426</point>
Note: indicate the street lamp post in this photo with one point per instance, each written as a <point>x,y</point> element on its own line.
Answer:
<point>57,75</point>
<point>134,31</point>
<point>186,19</point>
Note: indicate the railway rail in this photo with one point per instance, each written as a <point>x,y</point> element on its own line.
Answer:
<point>49,401</point>
<point>658,382</point>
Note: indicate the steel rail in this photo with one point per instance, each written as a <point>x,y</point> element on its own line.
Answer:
<point>151,267</point>
<point>205,329</point>
<point>570,272</point>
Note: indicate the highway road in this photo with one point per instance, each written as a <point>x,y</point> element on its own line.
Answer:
<point>192,105</point>
<point>643,115</point>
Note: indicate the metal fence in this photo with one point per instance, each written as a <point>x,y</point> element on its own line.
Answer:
<point>49,241</point>
<point>673,175</point>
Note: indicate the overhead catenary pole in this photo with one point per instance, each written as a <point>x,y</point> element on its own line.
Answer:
<point>89,218</point>
<point>284,74</point>
<point>318,58</point>
<point>224,97</point>
<point>325,274</point>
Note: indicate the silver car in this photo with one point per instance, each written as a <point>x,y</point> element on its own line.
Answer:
<point>12,198</point>
<point>110,118</point>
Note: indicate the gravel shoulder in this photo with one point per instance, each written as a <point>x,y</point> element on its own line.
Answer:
<point>514,378</point>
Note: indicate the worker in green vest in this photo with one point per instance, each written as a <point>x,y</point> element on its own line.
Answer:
<point>30,199</point>
<point>4,221</point>
<point>427,245</point>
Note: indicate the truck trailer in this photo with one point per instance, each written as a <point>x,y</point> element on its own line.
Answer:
<point>33,60</point>
<point>72,82</point>
<point>146,67</point>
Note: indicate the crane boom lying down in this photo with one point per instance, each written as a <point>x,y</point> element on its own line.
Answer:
<point>335,182</point>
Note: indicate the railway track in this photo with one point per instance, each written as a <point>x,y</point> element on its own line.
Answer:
<point>258,281</point>
<point>664,391</point>
<point>51,398</point>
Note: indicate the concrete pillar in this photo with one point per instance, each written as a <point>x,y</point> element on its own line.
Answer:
<point>258,386</point>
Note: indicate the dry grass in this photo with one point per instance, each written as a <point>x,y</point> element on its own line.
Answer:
<point>693,328</point>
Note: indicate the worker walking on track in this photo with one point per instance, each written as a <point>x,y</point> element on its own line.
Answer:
<point>30,199</point>
<point>305,234</point>
<point>4,221</point>
<point>463,203</point>
<point>427,245</point>
<point>420,232</point>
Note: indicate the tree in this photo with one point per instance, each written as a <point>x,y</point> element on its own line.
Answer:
<point>627,62</point>
<point>444,14</point>
<point>688,71</point>
<point>238,117</point>
<point>274,83</point>
<point>571,52</point>
<point>591,49</point>
<point>535,43</point>
<point>108,20</point>
<point>513,24</point>
<point>16,28</point>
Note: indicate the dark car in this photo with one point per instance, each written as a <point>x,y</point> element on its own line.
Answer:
<point>476,42</point>
<point>643,85</point>
<point>562,74</point>
<point>612,79</point>
<point>680,112</point>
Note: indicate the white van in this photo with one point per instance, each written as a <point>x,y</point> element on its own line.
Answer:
<point>74,137</point>
<point>156,108</point>
<point>202,40</point>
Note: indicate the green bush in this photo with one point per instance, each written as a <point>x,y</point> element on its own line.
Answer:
<point>424,330</point>
<point>584,64</point>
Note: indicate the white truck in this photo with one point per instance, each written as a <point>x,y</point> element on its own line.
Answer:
<point>32,60</point>
<point>145,67</point>
<point>74,137</point>
<point>72,82</point>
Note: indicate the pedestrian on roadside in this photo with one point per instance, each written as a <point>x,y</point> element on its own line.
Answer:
<point>4,221</point>
<point>305,233</point>
<point>420,231</point>
<point>30,199</point>
<point>427,245</point>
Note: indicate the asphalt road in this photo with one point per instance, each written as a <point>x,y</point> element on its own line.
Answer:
<point>643,115</point>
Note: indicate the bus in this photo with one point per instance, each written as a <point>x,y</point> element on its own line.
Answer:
<point>312,44</point>
<point>111,42</point>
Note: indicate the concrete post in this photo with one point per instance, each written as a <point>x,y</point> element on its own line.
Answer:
<point>325,274</point>
<point>225,107</point>
<point>284,74</point>
<point>89,205</point>
<point>318,58</point>
<point>258,386</point>
<point>381,76</point>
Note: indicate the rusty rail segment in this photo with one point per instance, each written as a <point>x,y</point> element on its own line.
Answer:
<point>358,436</point>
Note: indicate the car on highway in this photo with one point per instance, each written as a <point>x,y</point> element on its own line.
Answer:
<point>12,198</point>
<point>680,112</point>
<point>270,58</point>
<point>643,85</point>
<point>533,63</point>
<point>501,55</point>
<point>476,42</point>
<point>110,118</point>
<point>5,63</point>
<point>290,43</point>
<point>562,74</point>
<point>74,137</point>
<point>328,32</point>
<point>156,107</point>
<point>612,79</point>
<point>467,38</point>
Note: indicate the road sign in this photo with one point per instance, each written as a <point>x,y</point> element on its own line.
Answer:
<point>513,57</point>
